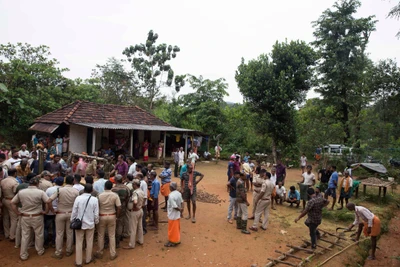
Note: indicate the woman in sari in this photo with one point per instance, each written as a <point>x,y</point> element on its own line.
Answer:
<point>160,149</point>
<point>145,150</point>
<point>65,143</point>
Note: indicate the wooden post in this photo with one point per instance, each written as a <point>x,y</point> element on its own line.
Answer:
<point>288,255</point>
<point>271,263</point>
<point>186,144</point>
<point>302,249</point>
<point>365,189</point>
<point>384,191</point>
<point>165,144</point>
<point>93,142</point>
<point>357,191</point>
<point>131,143</point>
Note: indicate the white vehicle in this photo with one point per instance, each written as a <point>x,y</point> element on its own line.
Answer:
<point>336,150</point>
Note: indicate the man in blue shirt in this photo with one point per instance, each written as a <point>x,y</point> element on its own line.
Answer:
<point>332,184</point>
<point>154,192</point>
<point>231,167</point>
<point>232,197</point>
<point>293,197</point>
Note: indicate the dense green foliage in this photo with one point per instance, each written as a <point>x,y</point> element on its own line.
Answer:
<point>273,86</point>
<point>358,105</point>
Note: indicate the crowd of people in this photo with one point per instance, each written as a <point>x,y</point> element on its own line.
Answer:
<point>117,200</point>
<point>268,191</point>
<point>111,201</point>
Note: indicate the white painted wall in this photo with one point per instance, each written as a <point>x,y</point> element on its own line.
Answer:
<point>78,138</point>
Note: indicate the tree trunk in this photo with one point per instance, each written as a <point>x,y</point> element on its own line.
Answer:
<point>274,150</point>
<point>357,130</point>
<point>345,122</point>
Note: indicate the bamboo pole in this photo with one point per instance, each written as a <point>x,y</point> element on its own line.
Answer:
<point>334,255</point>
<point>302,249</point>
<point>330,242</point>
<point>282,262</point>
<point>308,242</point>
<point>289,255</point>
<point>326,232</point>
<point>271,263</point>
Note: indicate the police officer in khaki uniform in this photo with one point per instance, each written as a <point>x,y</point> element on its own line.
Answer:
<point>123,192</point>
<point>10,218</point>
<point>263,201</point>
<point>45,183</point>
<point>137,200</point>
<point>31,214</point>
<point>66,197</point>
<point>257,183</point>
<point>109,210</point>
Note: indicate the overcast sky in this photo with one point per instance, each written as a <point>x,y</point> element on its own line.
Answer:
<point>213,34</point>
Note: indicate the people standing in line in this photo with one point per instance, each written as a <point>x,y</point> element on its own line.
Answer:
<point>154,192</point>
<point>345,187</point>
<point>32,199</point>
<point>175,209</point>
<point>308,180</point>
<point>332,185</point>
<point>233,206</point>
<point>143,187</point>
<point>165,176</point>
<point>109,210</point>
<point>323,176</point>
<point>241,199</point>
<point>10,218</point>
<point>189,189</point>
<point>65,197</point>
<point>137,200</point>
<point>123,192</point>
<point>314,218</point>
<point>86,208</point>
<point>263,200</point>
<point>50,217</point>
<point>258,182</point>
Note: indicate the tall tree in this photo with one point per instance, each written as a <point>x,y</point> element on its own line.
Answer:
<point>117,85</point>
<point>395,14</point>
<point>151,64</point>
<point>274,85</point>
<point>341,40</point>
<point>205,104</point>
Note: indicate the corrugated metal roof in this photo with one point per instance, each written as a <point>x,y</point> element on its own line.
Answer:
<point>133,127</point>
<point>44,127</point>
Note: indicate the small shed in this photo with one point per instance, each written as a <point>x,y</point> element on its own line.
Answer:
<point>92,126</point>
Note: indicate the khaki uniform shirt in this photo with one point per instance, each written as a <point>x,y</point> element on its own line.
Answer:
<point>91,168</point>
<point>9,187</point>
<point>31,199</point>
<point>257,182</point>
<point>138,195</point>
<point>108,201</point>
<point>66,197</point>
<point>266,189</point>
<point>44,184</point>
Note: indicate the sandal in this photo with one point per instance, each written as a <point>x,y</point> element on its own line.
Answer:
<point>253,229</point>
<point>169,245</point>
<point>194,220</point>
<point>230,221</point>
<point>371,258</point>
<point>250,218</point>
<point>265,229</point>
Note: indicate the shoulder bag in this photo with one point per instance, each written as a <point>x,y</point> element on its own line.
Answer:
<point>76,223</point>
